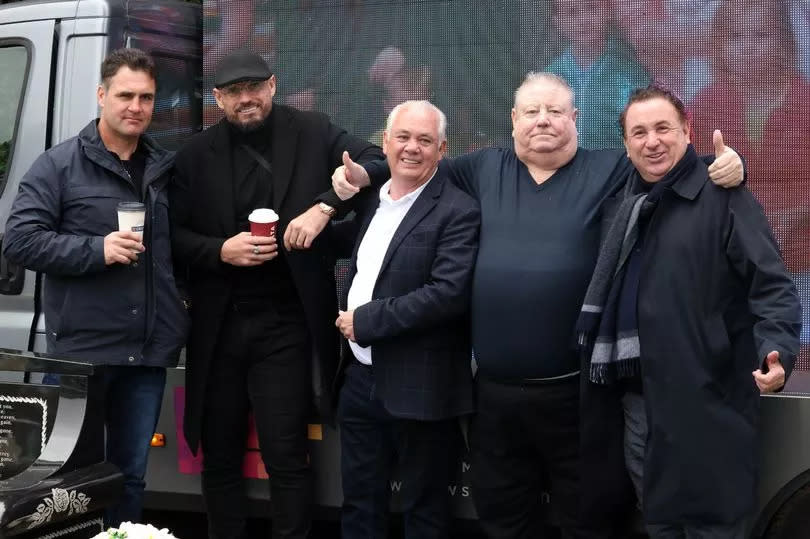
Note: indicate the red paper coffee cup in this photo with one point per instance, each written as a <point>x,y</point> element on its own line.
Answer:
<point>263,222</point>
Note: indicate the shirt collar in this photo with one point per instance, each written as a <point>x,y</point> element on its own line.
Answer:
<point>385,196</point>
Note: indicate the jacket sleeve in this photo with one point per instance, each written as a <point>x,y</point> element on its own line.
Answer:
<point>32,237</point>
<point>345,232</point>
<point>772,295</point>
<point>359,150</point>
<point>189,248</point>
<point>445,295</point>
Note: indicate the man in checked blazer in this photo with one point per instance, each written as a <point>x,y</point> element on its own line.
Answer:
<point>406,372</point>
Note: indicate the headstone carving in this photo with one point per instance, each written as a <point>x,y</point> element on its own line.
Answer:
<point>54,481</point>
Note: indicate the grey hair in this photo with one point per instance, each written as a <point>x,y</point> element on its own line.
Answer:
<point>533,77</point>
<point>423,104</point>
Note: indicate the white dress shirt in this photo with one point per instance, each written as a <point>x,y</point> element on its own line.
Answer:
<point>371,252</point>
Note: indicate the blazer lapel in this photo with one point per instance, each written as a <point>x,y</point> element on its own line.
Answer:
<point>421,207</point>
<point>221,174</point>
<point>285,139</point>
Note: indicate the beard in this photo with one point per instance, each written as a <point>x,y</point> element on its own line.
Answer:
<point>242,126</point>
<point>247,126</point>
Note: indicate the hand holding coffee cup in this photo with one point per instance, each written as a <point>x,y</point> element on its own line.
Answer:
<point>254,247</point>
<point>124,245</point>
<point>245,249</point>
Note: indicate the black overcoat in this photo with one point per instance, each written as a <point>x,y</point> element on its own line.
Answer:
<point>306,148</point>
<point>714,299</point>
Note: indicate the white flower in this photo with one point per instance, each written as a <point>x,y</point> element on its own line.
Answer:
<point>128,530</point>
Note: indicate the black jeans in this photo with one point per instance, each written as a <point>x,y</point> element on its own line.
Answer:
<point>520,434</point>
<point>372,441</point>
<point>262,363</point>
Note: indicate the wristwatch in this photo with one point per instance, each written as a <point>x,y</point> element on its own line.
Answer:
<point>327,209</point>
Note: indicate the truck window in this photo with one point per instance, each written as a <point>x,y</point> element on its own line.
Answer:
<point>14,67</point>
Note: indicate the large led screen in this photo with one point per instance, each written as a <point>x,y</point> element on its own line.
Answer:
<point>741,66</point>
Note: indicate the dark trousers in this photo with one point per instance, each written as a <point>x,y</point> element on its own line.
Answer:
<point>262,363</point>
<point>519,432</point>
<point>131,398</point>
<point>372,441</point>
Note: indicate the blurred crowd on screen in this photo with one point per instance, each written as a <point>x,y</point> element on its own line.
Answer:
<point>742,66</point>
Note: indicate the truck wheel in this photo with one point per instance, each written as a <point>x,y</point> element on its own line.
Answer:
<point>792,520</point>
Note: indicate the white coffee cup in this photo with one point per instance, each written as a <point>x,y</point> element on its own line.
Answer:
<point>131,216</point>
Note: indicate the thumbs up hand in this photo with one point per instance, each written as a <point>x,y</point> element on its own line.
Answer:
<point>348,179</point>
<point>727,169</point>
<point>774,376</point>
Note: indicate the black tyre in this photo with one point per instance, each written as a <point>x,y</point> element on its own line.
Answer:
<point>792,520</point>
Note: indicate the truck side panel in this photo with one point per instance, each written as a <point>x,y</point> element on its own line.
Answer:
<point>26,141</point>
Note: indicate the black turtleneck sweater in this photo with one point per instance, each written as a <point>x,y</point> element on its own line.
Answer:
<point>253,188</point>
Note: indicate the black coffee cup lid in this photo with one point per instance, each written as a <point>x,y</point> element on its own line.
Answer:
<point>131,206</point>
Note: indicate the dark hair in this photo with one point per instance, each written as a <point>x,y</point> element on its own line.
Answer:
<point>653,91</point>
<point>135,59</point>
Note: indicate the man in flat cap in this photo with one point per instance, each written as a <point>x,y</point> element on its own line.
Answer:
<point>262,315</point>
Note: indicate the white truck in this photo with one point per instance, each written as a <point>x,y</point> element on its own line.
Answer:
<point>50,53</point>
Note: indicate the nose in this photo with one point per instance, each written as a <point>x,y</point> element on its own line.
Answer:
<point>542,118</point>
<point>135,105</point>
<point>652,139</point>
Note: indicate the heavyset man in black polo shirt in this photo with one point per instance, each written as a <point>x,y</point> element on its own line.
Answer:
<point>540,213</point>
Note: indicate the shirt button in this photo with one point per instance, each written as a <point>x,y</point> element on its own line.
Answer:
<point>131,358</point>
<point>134,311</point>
<point>134,264</point>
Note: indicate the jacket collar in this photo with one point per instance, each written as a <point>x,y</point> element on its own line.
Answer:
<point>691,184</point>
<point>285,140</point>
<point>219,161</point>
<point>158,159</point>
<point>423,204</point>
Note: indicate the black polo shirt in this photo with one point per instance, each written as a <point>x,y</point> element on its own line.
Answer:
<point>538,248</point>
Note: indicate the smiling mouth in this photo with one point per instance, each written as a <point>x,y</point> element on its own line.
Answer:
<point>409,161</point>
<point>247,110</point>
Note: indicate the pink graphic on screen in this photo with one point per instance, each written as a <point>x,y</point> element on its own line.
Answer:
<point>188,463</point>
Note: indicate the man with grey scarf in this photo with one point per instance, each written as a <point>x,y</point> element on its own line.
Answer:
<point>692,308</point>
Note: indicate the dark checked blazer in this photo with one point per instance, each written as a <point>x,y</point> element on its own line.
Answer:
<point>418,320</point>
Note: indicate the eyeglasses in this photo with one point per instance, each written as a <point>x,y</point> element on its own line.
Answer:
<point>250,87</point>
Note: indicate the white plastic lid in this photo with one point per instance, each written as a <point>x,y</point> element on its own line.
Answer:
<point>263,215</point>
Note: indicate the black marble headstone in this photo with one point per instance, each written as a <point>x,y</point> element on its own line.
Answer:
<point>53,477</point>
<point>27,412</point>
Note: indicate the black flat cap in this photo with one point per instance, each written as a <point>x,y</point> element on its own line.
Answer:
<point>241,65</point>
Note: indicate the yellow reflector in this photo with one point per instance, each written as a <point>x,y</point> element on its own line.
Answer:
<point>315,432</point>
<point>158,440</point>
